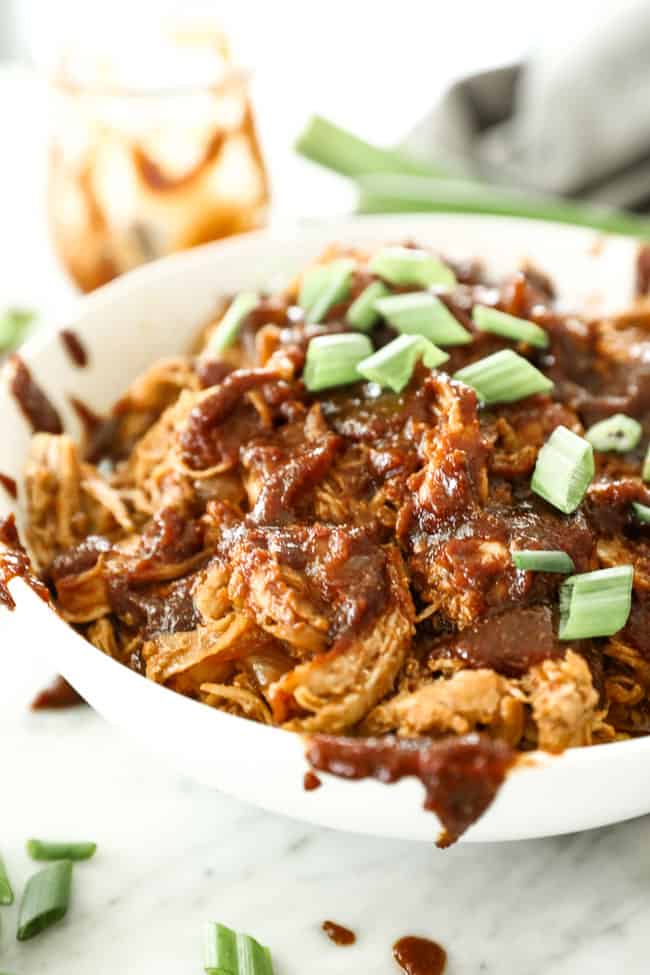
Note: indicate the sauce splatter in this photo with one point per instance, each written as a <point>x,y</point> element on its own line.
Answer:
<point>59,694</point>
<point>338,934</point>
<point>14,561</point>
<point>99,431</point>
<point>419,956</point>
<point>74,347</point>
<point>34,404</point>
<point>9,485</point>
<point>311,782</point>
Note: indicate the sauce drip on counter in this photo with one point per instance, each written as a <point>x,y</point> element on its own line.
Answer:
<point>14,561</point>
<point>74,347</point>
<point>461,776</point>
<point>34,404</point>
<point>58,694</point>
<point>338,934</point>
<point>9,485</point>
<point>419,956</point>
<point>311,782</point>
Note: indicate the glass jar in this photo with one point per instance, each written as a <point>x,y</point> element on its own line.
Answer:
<point>151,151</point>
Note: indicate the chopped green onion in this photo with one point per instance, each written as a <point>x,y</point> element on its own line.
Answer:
<point>645,470</point>
<point>362,313</point>
<point>393,365</point>
<point>509,326</point>
<point>227,952</point>
<point>595,603</point>
<point>422,313</point>
<point>407,265</point>
<point>340,150</point>
<point>504,377</point>
<point>45,899</point>
<point>564,470</point>
<point>618,432</point>
<point>541,560</point>
<point>44,850</point>
<point>226,332</point>
<point>6,893</point>
<point>324,286</point>
<point>641,512</point>
<point>332,360</point>
<point>14,323</point>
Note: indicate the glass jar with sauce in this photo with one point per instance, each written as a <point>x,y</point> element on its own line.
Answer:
<point>153,150</point>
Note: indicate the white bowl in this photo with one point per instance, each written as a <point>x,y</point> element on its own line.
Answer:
<point>153,312</point>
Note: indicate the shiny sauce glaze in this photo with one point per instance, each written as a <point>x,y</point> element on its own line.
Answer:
<point>56,696</point>
<point>74,347</point>
<point>461,776</point>
<point>338,934</point>
<point>419,956</point>
<point>15,562</point>
<point>10,486</point>
<point>33,402</point>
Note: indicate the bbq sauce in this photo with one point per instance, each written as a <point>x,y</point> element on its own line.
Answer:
<point>311,782</point>
<point>33,402</point>
<point>419,956</point>
<point>9,485</point>
<point>338,934</point>
<point>14,561</point>
<point>57,695</point>
<point>99,431</point>
<point>74,347</point>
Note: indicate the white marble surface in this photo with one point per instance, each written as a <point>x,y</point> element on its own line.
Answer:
<point>173,855</point>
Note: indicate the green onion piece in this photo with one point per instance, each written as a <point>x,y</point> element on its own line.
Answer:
<point>406,265</point>
<point>641,513</point>
<point>13,326</point>
<point>645,470</point>
<point>226,332</point>
<point>564,470</point>
<point>332,360</point>
<point>618,432</point>
<point>393,365</point>
<point>422,313</point>
<point>504,377</point>
<point>541,560</point>
<point>595,603</point>
<point>334,147</point>
<point>324,286</point>
<point>518,329</point>
<point>227,952</point>
<point>44,850</point>
<point>400,193</point>
<point>45,899</point>
<point>362,313</point>
<point>6,893</point>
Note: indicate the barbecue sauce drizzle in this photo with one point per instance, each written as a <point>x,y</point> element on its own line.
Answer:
<point>74,347</point>
<point>9,485</point>
<point>57,695</point>
<point>15,562</point>
<point>419,956</point>
<point>338,934</point>
<point>33,402</point>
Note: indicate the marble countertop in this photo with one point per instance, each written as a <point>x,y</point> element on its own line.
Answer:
<point>173,855</point>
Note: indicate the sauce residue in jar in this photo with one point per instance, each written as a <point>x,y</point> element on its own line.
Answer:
<point>419,956</point>
<point>311,782</point>
<point>58,694</point>
<point>34,404</point>
<point>338,934</point>
<point>14,561</point>
<point>74,347</point>
<point>9,485</point>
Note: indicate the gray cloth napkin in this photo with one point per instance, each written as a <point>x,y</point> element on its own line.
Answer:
<point>573,119</point>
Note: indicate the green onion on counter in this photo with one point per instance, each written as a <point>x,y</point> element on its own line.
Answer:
<point>503,377</point>
<point>362,313</point>
<point>393,364</point>
<point>45,899</point>
<point>541,560</point>
<point>595,603</point>
<point>323,286</point>
<point>498,322</point>
<point>6,892</point>
<point>226,332</point>
<point>227,952</point>
<point>564,470</point>
<point>423,313</point>
<point>44,850</point>
<point>409,265</point>
<point>332,360</point>
<point>619,432</point>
